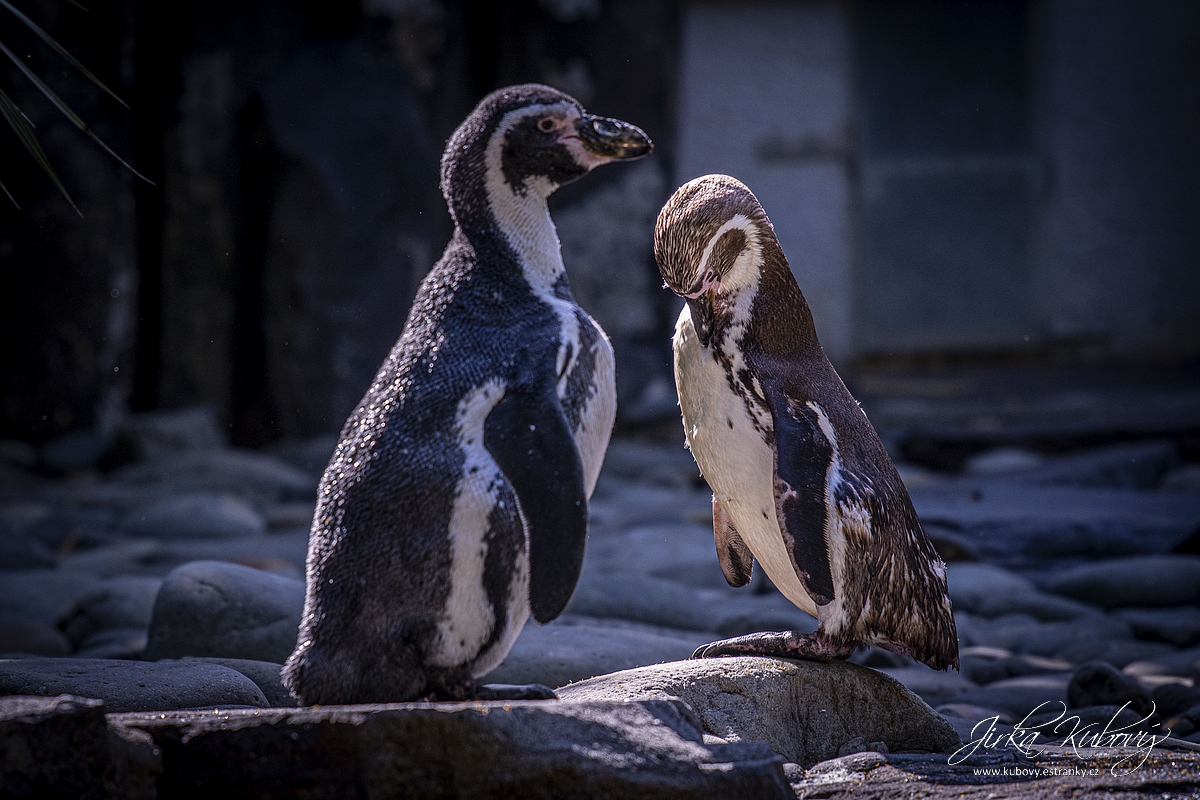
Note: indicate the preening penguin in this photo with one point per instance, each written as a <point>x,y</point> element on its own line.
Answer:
<point>800,479</point>
<point>456,502</point>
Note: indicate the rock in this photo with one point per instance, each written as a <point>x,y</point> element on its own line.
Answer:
<point>281,553</point>
<point>1052,639</point>
<point>658,602</point>
<point>618,505</point>
<point>487,750</point>
<point>972,584</point>
<point>130,685</point>
<point>74,451</point>
<point>1136,465</point>
<point>1184,479</point>
<point>154,434</point>
<point>211,608</point>
<point>931,686</point>
<point>196,515</point>
<point>681,552</point>
<point>125,602</point>
<point>1019,696</point>
<point>67,529</point>
<point>19,550</point>
<point>54,747</point>
<point>265,675</point>
<point>1099,684</point>
<point>575,648</point>
<point>1018,524</point>
<point>1039,605</point>
<point>805,710</point>
<point>33,638</point>
<point>1055,723</point>
<point>1118,652</point>
<point>651,462</point>
<point>1178,626</point>
<point>975,713</point>
<point>985,665</point>
<point>1175,698</point>
<point>242,472</point>
<point>42,595</point>
<point>860,762</point>
<point>1151,580</point>
<point>1001,461</point>
<point>127,643</point>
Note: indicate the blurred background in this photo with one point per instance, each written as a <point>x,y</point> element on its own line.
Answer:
<point>993,207</point>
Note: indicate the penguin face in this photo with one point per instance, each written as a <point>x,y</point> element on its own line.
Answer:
<point>706,243</point>
<point>533,139</point>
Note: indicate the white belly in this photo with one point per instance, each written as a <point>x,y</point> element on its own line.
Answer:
<point>596,422</point>
<point>738,465</point>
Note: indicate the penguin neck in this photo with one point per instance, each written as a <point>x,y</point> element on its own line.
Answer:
<point>523,220</point>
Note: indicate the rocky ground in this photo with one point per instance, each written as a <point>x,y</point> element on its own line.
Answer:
<point>161,571</point>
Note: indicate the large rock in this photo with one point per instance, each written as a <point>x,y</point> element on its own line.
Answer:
<point>1019,696</point>
<point>42,595</point>
<point>195,515</point>
<point>1134,465</point>
<point>478,750</point>
<point>1177,626</point>
<point>1152,580</point>
<point>265,674</point>
<point>125,602</point>
<point>1099,684</point>
<point>53,747</point>
<point>660,602</point>
<point>575,648</point>
<point>1028,524</point>
<point>282,553</point>
<point>243,472</point>
<point>930,685</point>
<point>130,685</point>
<point>807,711</point>
<point>212,608</point>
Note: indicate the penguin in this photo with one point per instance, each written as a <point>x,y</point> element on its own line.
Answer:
<point>455,504</point>
<point>801,482</point>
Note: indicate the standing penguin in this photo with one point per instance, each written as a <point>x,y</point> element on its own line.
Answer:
<point>456,501</point>
<point>800,479</point>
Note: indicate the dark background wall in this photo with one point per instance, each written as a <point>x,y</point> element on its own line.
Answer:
<point>1010,177</point>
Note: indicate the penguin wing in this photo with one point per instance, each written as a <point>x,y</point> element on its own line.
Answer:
<point>529,438</point>
<point>803,455</point>
<point>737,562</point>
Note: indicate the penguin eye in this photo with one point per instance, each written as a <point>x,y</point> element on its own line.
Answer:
<point>546,125</point>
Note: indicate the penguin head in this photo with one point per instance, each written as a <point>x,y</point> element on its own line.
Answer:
<point>708,242</point>
<point>529,140</point>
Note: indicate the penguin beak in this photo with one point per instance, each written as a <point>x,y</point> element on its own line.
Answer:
<point>702,316</point>
<point>609,139</point>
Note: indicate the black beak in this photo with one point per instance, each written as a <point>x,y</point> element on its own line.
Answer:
<point>702,316</point>
<point>612,138</point>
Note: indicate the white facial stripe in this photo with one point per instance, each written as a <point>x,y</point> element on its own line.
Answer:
<point>738,222</point>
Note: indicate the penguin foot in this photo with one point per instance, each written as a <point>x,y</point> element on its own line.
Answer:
<point>777,644</point>
<point>510,691</point>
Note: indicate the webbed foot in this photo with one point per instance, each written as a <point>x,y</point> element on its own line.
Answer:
<point>777,644</point>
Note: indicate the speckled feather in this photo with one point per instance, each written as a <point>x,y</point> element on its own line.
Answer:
<point>876,578</point>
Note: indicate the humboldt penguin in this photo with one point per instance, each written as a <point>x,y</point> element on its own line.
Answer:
<point>455,504</point>
<point>801,482</point>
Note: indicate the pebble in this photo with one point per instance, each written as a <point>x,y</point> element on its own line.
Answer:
<point>130,685</point>
<point>1178,626</point>
<point>212,608</point>
<point>1001,461</point>
<point>1097,683</point>
<point>124,602</point>
<point>972,584</point>
<point>1150,580</point>
<point>195,515</point>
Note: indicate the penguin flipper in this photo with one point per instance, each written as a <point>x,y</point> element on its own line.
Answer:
<point>737,562</point>
<point>803,457</point>
<point>529,438</point>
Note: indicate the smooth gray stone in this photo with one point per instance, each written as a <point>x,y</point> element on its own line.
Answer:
<point>20,550</point>
<point>212,608</point>
<point>805,710</point>
<point>658,602</point>
<point>1002,461</point>
<point>154,434</point>
<point>1014,523</point>
<point>282,553</point>
<point>1118,652</point>
<point>1017,697</point>
<point>535,749</point>
<point>1099,684</point>
<point>652,463</point>
<point>1184,479</point>
<point>127,643</point>
<point>265,674</point>
<point>42,595</point>
<point>1039,605</point>
<point>982,667</point>
<point>54,747</point>
<point>1150,580</point>
<point>931,686</point>
<point>130,685</point>
<point>34,638</point>
<point>1136,465</point>
<point>1116,718</point>
<point>1175,698</point>
<point>1052,638</point>
<point>242,472</point>
<point>618,505</point>
<point>125,602</point>
<point>195,515</point>
<point>972,584</point>
<point>576,648</point>
<point>1178,626</point>
<point>680,552</point>
<point>74,451</point>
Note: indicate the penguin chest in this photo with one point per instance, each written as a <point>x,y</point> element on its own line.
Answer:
<point>586,385</point>
<point>726,439</point>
